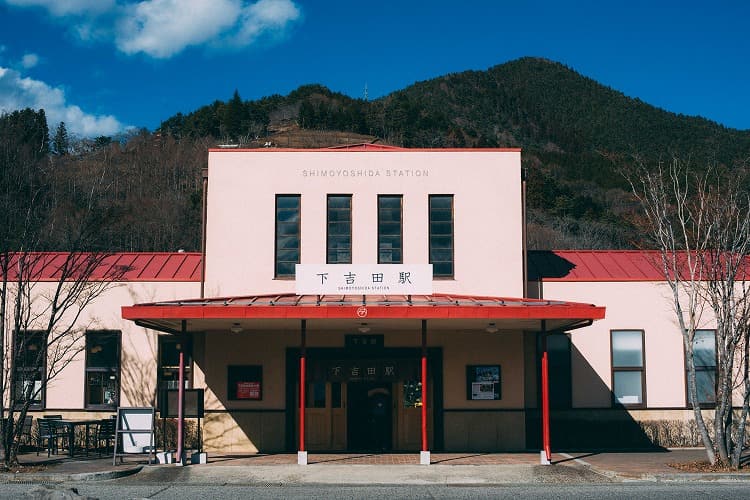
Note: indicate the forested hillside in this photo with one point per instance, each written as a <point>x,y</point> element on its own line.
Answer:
<point>574,132</point>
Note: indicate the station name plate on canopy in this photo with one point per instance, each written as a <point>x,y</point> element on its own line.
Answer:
<point>364,279</point>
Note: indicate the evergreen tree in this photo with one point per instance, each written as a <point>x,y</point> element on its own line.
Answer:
<point>61,141</point>
<point>234,115</point>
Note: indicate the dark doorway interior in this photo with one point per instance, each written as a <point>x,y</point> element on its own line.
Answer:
<point>369,416</point>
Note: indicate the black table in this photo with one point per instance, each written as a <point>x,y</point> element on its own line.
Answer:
<point>70,427</point>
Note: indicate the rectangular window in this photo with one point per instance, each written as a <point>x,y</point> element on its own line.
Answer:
<point>704,357</point>
<point>560,384</point>
<point>287,234</point>
<point>169,364</point>
<point>441,235</point>
<point>628,368</point>
<point>390,234</point>
<point>315,395</point>
<point>339,234</point>
<point>30,364</point>
<point>102,369</point>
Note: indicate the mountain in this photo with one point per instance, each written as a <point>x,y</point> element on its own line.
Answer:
<point>576,135</point>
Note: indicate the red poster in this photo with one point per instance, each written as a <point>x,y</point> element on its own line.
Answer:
<point>248,390</point>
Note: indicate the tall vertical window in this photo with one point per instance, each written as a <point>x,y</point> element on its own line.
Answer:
<point>441,235</point>
<point>102,369</point>
<point>704,357</point>
<point>30,358</point>
<point>169,364</point>
<point>390,234</point>
<point>287,234</point>
<point>339,241</point>
<point>560,386</point>
<point>628,367</point>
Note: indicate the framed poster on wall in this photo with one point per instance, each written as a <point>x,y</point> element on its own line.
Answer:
<point>483,382</point>
<point>245,382</point>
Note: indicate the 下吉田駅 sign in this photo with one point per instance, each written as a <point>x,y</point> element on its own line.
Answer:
<point>363,279</point>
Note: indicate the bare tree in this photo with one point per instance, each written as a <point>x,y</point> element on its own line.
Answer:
<point>700,224</point>
<point>42,294</point>
<point>42,325</point>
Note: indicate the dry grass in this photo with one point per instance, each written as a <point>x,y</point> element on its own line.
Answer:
<point>704,466</point>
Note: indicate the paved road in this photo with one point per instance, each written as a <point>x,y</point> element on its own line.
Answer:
<point>664,491</point>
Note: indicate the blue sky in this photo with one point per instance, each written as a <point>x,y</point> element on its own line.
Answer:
<point>105,65</point>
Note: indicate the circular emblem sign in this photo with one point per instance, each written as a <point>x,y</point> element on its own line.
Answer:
<point>361,312</point>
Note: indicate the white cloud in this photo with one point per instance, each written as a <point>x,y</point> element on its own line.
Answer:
<point>265,15</point>
<point>67,7</point>
<point>28,61</point>
<point>163,28</point>
<point>17,92</point>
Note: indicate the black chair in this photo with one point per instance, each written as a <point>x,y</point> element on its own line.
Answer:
<point>47,431</point>
<point>61,434</point>
<point>105,433</point>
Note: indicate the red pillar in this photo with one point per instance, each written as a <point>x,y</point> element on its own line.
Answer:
<point>424,387</point>
<point>181,396</point>
<point>302,387</point>
<point>545,396</point>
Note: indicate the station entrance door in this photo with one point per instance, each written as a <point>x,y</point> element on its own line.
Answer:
<point>378,409</point>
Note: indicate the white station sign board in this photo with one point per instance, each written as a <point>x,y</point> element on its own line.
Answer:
<point>363,279</point>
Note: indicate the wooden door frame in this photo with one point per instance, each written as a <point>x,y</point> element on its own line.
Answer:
<point>435,371</point>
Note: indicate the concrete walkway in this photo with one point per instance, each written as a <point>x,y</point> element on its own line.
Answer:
<point>391,468</point>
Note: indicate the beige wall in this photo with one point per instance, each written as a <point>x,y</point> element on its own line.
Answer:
<point>485,431</point>
<point>249,426</point>
<point>481,348</point>
<point>487,213</point>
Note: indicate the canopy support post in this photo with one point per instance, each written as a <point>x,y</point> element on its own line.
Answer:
<point>181,397</point>
<point>546,453</point>
<point>424,454</point>
<point>302,453</point>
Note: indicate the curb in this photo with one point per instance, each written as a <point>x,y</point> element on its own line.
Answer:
<point>688,476</point>
<point>62,478</point>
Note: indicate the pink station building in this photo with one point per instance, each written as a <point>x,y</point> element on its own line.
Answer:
<point>382,299</point>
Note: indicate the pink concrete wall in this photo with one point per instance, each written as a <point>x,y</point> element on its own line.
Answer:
<point>643,306</point>
<point>139,346</point>
<point>487,208</point>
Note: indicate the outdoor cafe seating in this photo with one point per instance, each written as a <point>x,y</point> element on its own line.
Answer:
<point>55,432</point>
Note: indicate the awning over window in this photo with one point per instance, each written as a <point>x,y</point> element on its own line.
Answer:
<point>455,312</point>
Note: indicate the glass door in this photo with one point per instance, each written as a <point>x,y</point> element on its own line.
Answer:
<point>409,415</point>
<point>325,417</point>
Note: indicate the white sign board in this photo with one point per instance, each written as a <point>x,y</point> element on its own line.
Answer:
<point>364,279</point>
<point>136,427</point>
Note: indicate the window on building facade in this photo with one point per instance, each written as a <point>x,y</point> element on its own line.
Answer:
<point>102,369</point>
<point>339,234</point>
<point>390,233</point>
<point>441,235</point>
<point>704,357</point>
<point>628,368</point>
<point>560,386</point>
<point>169,364</point>
<point>287,234</point>
<point>30,358</point>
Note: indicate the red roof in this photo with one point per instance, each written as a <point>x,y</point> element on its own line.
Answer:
<point>612,265</point>
<point>125,266</point>
<point>595,265</point>
<point>168,315</point>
